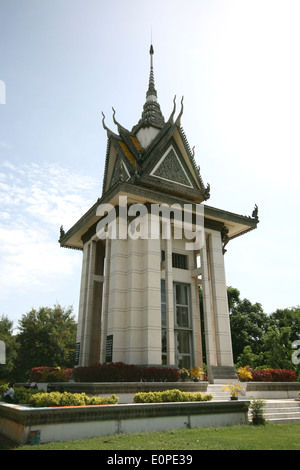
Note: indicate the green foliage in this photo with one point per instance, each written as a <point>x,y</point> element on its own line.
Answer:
<point>256,408</point>
<point>69,399</point>
<point>50,374</point>
<point>261,340</point>
<point>169,396</point>
<point>248,323</point>
<point>46,338</point>
<point>23,395</point>
<point>3,388</point>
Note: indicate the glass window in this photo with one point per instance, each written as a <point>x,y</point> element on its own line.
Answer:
<point>179,261</point>
<point>183,342</point>
<point>163,323</point>
<point>183,331</point>
<point>181,294</point>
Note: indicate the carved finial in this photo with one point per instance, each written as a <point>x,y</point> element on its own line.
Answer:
<point>225,238</point>
<point>103,123</point>
<point>62,233</point>
<point>114,119</point>
<point>173,112</point>
<point>178,120</point>
<point>207,191</point>
<point>109,132</point>
<point>255,212</point>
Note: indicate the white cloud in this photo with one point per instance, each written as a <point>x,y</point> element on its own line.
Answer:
<point>36,200</point>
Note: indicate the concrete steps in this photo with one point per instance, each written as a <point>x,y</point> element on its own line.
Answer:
<point>282,411</point>
<point>275,411</point>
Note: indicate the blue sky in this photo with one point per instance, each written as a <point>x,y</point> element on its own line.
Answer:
<point>63,62</point>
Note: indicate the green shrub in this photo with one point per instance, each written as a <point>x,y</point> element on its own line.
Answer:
<point>69,399</point>
<point>3,388</point>
<point>23,395</point>
<point>169,396</point>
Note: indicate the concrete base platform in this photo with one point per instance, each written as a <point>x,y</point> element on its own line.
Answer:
<point>22,424</point>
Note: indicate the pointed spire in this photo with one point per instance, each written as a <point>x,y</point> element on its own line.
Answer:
<point>151,115</point>
<point>151,94</point>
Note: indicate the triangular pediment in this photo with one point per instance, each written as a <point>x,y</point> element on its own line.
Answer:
<point>170,168</point>
<point>120,172</point>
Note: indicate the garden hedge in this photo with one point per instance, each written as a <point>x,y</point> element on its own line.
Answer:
<point>120,372</point>
<point>169,396</point>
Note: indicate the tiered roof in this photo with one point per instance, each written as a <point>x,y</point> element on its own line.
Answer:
<point>155,153</point>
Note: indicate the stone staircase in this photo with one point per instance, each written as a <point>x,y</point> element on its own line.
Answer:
<point>282,411</point>
<point>275,411</point>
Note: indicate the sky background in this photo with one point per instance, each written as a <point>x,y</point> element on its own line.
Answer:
<point>63,62</point>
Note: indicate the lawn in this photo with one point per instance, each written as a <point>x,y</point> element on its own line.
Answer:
<point>244,437</point>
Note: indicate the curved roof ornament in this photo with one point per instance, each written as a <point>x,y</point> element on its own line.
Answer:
<point>120,128</point>
<point>115,121</point>
<point>109,132</point>
<point>171,118</point>
<point>178,120</point>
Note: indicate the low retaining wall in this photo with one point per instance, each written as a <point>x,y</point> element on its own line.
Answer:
<point>126,390</point>
<point>272,390</point>
<point>20,423</point>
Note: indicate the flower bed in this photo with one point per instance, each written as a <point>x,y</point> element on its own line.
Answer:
<point>266,375</point>
<point>50,374</point>
<point>273,375</point>
<point>120,372</point>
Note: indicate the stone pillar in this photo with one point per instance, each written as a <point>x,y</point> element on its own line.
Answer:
<point>134,303</point>
<point>116,298</point>
<point>220,365</point>
<point>82,303</point>
<point>151,327</point>
<point>90,304</point>
<point>220,302</point>
<point>211,356</point>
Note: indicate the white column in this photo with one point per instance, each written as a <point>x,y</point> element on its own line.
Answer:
<point>220,302</point>
<point>82,301</point>
<point>151,302</point>
<point>88,324</point>
<point>117,297</point>
<point>211,356</point>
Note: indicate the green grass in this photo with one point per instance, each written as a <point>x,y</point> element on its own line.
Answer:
<point>244,437</point>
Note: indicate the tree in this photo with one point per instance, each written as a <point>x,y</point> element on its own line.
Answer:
<point>46,338</point>
<point>248,324</point>
<point>288,317</point>
<point>277,347</point>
